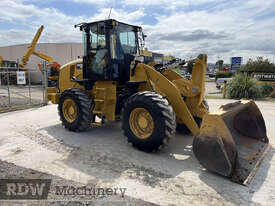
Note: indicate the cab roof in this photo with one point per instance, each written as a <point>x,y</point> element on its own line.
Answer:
<point>106,22</point>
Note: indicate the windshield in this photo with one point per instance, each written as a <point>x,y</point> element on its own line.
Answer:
<point>123,41</point>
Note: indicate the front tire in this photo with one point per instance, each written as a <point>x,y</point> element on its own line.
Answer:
<point>148,121</point>
<point>75,109</point>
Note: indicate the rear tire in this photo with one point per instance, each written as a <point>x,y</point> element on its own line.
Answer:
<point>81,105</point>
<point>158,131</point>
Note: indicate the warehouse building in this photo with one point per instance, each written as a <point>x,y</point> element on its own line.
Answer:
<point>60,52</point>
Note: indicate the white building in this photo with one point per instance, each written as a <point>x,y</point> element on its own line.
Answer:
<point>61,53</point>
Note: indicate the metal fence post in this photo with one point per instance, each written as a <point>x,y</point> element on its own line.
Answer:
<point>224,90</point>
<point>44,82</point>
<point>8,84</point>
<point>29,81</point>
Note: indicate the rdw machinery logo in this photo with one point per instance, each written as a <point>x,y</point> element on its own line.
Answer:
<point>24,189</point>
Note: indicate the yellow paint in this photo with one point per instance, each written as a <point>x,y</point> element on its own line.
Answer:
<point>196,93</point>
<point>171,74</point>
<point>66,73</point>
<point>175,87</point>
<point>104,95</point>
<point>168,84</point>
<point>152,64</point>
<point>141,123</point>
<point>185,96</point>
<point>69,110</point>
<point>157,82</point>
<point>103,92</point>
<point>52,95</point>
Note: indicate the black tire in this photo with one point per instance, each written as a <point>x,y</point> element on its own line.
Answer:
<point>84,106</point>
<point>163,117</point>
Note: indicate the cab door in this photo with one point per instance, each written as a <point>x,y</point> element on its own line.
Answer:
<point>96,55</point>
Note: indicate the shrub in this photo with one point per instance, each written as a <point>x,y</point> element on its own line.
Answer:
<point>267,89</point>
<point>243,86</point>
<point>224,74</point>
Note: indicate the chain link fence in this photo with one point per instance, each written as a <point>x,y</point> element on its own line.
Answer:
<point>21,89</point>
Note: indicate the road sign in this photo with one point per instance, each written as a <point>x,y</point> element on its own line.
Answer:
<point>236,63</point>
<point>21,77</point>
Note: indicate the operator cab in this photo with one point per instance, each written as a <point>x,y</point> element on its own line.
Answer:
<point>109,48</point>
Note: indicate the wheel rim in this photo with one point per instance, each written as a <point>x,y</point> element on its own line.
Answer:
<point>141,123</point>
<point>69,110</point>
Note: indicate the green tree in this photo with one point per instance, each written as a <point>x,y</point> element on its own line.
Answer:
<point>259,65</point>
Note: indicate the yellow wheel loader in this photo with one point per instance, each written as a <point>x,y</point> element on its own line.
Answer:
<point>109,84</point>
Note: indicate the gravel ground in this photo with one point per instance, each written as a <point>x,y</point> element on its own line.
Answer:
<point>11,171</point>
<point>34,141</point>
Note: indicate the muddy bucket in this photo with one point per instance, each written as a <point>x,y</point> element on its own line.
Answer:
<point>232,142</point>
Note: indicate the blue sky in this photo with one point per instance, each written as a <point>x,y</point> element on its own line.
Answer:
<point>183,28</point>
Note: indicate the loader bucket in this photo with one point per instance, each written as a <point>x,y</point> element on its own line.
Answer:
<point>232,142</point>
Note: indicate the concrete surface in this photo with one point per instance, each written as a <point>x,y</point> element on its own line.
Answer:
<point>35,139</point>
<point>20,95</point>
<point>211,90</point>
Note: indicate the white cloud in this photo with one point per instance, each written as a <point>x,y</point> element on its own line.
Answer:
<point>229,28</point>
<point>14,10</point>
<point>164,2</point>
<point>242,33</point>
<point>99,2</point>
<point>119,14</point>
<point>59,27</point>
